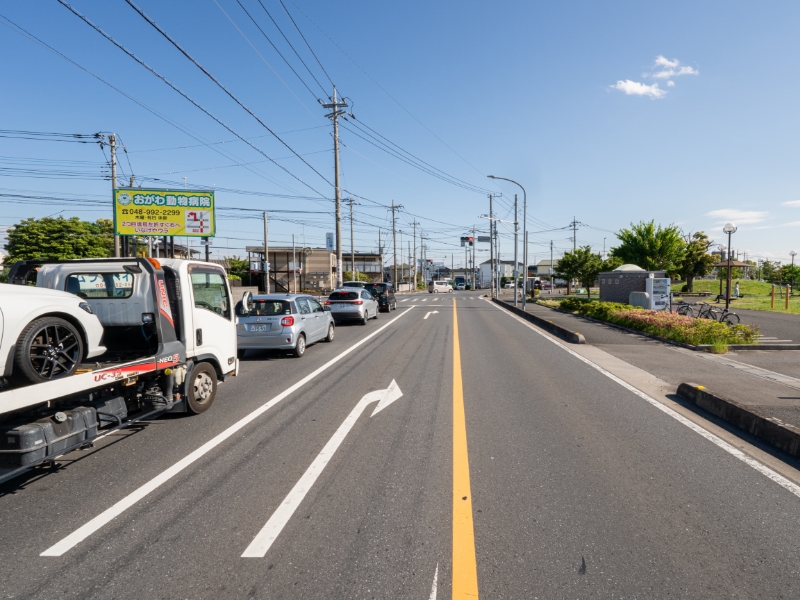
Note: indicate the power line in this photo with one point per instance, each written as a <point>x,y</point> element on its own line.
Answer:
<point>296,53</point>
<point>222,87</point>
<point>306,41</point>
<point>26,34</point>
<point>186,96</point>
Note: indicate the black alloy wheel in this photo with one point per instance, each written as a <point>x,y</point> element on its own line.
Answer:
<point>48,348</point>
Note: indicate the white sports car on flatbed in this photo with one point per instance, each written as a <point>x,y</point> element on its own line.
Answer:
<point>45,334</point>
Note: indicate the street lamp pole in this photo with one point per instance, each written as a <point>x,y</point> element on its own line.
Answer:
<point>792,254</point>
<point>730,229</point>
<point>524,237</point>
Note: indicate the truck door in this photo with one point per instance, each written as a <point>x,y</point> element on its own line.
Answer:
<point>213,328</point>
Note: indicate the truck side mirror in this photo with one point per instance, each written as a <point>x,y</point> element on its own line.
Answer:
<point>247,302</point>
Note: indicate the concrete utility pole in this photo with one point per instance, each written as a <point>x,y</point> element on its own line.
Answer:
<point>351,201</point>
<point>266,254</point>
<point>574,234</point>
<point>335,105</point>
<point>414,274</point>
<point>472,271</point>
<point>516,245</point>
<point>552,279</point>
<point>112,142</point>
<point>491,245</point>
<point>380,253</point>
<point>294,266</point>
<point>394,209</point>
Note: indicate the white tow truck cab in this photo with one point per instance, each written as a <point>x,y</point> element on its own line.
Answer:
<point>169,334</point>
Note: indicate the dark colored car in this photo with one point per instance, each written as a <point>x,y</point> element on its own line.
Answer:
<point>384,294</point>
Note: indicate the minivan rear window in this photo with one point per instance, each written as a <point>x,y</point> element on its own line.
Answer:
<point>377,288</point>
<point>266,308</point>
<point>343,296</point>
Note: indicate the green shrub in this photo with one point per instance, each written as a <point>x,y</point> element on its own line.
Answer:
<point>573,304</point>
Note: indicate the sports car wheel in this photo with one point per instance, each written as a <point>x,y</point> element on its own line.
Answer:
<point>48,348</point>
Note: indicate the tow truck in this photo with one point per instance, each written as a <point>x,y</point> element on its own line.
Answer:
<point>170,336</point>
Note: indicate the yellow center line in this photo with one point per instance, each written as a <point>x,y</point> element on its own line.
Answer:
<point>465,569</point>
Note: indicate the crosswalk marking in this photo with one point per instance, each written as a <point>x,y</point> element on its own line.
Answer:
<point>405,300</point>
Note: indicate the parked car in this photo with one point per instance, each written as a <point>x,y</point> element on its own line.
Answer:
<point>545,285</point>
<point>349,304</point>
<point>509,285</point>
<point>468,286</point>
<point>461,286</point>
<point>282,322</point>
<point>384,294</point>
<point>45,334</point>
<point>354,284</point>
<point>439,286</point>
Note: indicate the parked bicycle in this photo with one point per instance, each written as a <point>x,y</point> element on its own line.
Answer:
<point>727,317</point>
<point>685,309</point>
<point>706,311</point>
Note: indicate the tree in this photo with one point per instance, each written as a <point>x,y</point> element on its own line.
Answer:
<point>581,264</point>
<point>771,271</point>
<point>696,261</point>
<point>348,276</point>
<point>59,239</point>
<point>651,247</point>
<point>239,267</point>
<point>790,273</point>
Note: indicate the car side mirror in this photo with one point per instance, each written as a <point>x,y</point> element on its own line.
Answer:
<point>247,302</point>
<point>326,308</point>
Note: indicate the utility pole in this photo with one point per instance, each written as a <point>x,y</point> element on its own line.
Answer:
<point>472,271</point>
<point>351,201</point>
<point>516,245</point>
<point>266,255</point>
<point>380,253</point>
<point>112,142</point>
<point>552,279</point>
<point>294,266</point>
<point>394,209</point>
<point>491,246</point>
<point>335,105</point>
<point>574,225</point>
<point>414,275</point>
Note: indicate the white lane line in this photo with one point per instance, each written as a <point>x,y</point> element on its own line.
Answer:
<point>719,442</point>
<point>424,299</point>
<point>429,313</point>
<point>260,545</point>
<point>80,534</point>
<point>435,584</point>
<point>435,300</point>
<point>405,299</point>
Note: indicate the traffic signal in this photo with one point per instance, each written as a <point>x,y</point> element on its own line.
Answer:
<point>471,239</point>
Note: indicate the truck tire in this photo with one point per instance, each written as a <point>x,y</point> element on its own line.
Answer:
<point>48,348</point>
<point>201,389</point>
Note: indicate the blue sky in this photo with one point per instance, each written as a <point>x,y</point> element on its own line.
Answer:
<point>561,97</point>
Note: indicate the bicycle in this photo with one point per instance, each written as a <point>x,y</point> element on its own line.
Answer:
<point>685,309</point>
<point>727,317</point>
<point>706,311</point>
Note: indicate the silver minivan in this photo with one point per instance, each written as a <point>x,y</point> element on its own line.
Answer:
<point>282,322</point>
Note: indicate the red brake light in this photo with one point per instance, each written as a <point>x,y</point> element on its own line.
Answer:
<point>358,302</point>
<point>287,321</point>
<point>327,301</point>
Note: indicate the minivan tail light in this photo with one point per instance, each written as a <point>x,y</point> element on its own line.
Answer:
<point>287,321</point>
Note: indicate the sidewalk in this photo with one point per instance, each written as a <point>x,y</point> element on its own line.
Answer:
<point>767,381</point>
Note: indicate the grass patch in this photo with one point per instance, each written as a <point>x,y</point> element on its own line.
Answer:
<point>756,295</point>
<point>671,326</point>
<point>719,348</point>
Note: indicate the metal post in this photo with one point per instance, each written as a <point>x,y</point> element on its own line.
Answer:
<point>516,246</point>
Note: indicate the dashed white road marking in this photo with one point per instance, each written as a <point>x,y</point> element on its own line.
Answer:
<point>405,299</point>
<point>435,583</point>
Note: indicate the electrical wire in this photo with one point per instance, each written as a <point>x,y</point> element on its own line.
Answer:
<point>306,41</point>
<point>223,88</point>
<point>184,95</point>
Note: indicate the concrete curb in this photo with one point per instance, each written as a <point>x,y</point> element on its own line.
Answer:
<point>565,334</point>
<point>771,430</point>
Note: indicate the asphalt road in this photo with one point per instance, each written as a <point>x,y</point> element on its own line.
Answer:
<point>562,483</point>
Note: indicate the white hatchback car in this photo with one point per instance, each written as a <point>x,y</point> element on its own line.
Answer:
<point>45,334</point>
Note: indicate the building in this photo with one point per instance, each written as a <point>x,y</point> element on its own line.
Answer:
<point>504,267</point>
<point>544,268</point>
<point>307,269</point>
<point>617,285</point>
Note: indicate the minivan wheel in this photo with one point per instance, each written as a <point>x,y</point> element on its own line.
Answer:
<point>365,318</point>
<point>300,346</point>
<point>48,348</point>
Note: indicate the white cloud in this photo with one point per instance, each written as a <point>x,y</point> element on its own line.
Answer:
<point>738,217</point>
<point>665,62</point>
<point>665,68</point>
<point>791,203</point>
<point>634,88</point>
<point>670,84</point>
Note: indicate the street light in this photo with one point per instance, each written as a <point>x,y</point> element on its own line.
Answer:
<point>524,240</point>
<point>792,254</point>
<point>730,229</point>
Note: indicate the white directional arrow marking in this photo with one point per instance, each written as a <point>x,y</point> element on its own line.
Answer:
<point>269,533</point>
<point>427,314</point>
